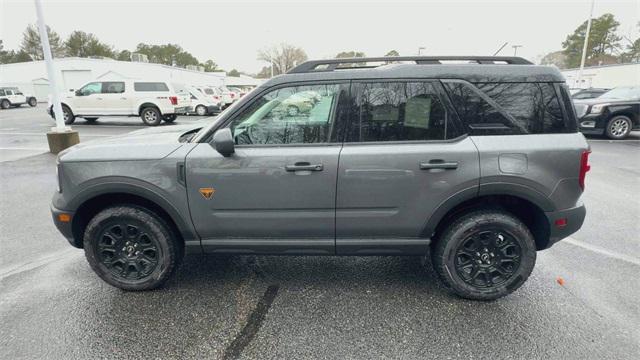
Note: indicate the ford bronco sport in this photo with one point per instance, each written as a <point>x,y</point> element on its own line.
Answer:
<point>475,161</point>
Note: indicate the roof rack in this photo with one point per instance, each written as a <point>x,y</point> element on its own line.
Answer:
<point>333,64</point>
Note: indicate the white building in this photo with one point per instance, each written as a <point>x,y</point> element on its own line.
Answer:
<point>31,77</point>
<point>604,76</point>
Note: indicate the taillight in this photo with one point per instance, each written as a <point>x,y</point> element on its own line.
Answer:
<point>216,97</point>
<point>174,100</point>
<point>584,167</point>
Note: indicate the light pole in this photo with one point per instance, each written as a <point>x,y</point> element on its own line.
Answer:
<point>515,49</point>
<point>584,46</point>
<point>60,137</point>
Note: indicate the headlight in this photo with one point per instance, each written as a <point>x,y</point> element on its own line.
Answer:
<point>597,109</point>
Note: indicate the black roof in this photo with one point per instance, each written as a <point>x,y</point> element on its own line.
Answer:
<point>475,69</point>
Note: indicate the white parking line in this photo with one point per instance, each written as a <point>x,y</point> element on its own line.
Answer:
<point>24,148</point>
<point>40,134</point>
<point>602,251</point>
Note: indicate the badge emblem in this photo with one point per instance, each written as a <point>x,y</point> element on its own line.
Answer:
<point>207,193</point>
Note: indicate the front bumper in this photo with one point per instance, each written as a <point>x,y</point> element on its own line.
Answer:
<point>592,124</point>
<point>65,228</point>
<point>574,220</point>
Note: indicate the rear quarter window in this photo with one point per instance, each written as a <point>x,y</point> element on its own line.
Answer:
<point>150,86</point>
<point>518,108</point>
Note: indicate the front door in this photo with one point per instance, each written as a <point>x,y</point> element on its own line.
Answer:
<point>401,159</point>
<point>88,99</point>
<point>277,192</point>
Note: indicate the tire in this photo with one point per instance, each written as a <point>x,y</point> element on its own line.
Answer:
<point>32,102</point>
<point>91,120</point>
<point>292,110</point>
<point>5,104</point>
<point>170,118</point>
<point>69,118</point>
<point>151,116</point>
<point>131,248</point>
<point>484,255</point>
<point>618,127</point>
<point>201,110</point>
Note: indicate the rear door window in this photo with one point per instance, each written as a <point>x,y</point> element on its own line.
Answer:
<point>397,111</point>
<point>150,86</point>
<point>112,87</point>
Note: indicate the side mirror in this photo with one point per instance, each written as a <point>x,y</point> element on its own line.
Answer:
<point>78,93</point>
<point>223,142</point>
<point>71,90</point>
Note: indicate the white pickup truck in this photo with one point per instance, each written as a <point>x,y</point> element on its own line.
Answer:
<point>153,101</point>
<point>13,97</point>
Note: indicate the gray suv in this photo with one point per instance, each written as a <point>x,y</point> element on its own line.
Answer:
<point>476,161</point>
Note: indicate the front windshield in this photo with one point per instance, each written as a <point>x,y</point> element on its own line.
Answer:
<point>627,92</point>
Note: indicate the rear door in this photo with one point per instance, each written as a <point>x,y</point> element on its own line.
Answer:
<point>402,158</point>
<point>114,99</point>
<point>277,192</point>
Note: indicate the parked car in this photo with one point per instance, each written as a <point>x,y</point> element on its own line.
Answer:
<point>13,97</point>
<point>240,91</point>
<point>591,93</point>
<point>218,95</point>
<point>153,101</point>
<point>229,94</point>
<point>614,113</point>
<point>408,159</point>
<point>202,104</point>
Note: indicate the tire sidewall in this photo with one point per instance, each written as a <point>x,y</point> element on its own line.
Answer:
<point>5,104</point>
<point>151,123</point>
<point>151,223</point>
<point>610,122</point>
<point>460,230</point>
<point>33,102</point>
<point>71,118</point>
<point>203,112</point>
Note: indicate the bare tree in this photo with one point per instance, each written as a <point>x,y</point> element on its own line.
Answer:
<point>283,57</point>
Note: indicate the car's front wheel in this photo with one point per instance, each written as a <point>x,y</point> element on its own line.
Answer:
<point>201,110</point>
<point>484,255</point>
<point>151,116</point>
<point>131,248</point>
<point>618,127</point>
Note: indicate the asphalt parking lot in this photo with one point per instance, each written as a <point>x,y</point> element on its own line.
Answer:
<point>256,307</point>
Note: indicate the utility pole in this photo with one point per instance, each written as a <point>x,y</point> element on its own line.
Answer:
<point>584,46</point>
<point>515,49</point>
<point>500,49</point>
<point>60,137</point>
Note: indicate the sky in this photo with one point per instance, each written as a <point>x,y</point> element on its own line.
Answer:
<point>232,32</point>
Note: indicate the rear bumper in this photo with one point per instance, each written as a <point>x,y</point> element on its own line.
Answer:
<point>574,220</point>
<point>65,228</point>
<point>182,110</point>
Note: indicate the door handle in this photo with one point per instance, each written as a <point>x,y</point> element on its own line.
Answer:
<point>304,166</point>
<point>439,164</point>
<point>123,98</point>
<point>98,98</point>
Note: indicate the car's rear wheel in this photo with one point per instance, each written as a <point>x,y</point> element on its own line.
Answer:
<point>170,118</point>
<point>32,102</point>
<point>5,104</point>
<point>151,116</point>
<point>618,127</point>
<point>131,248</point>
<point>201,110</point>
<point>484,255</point>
